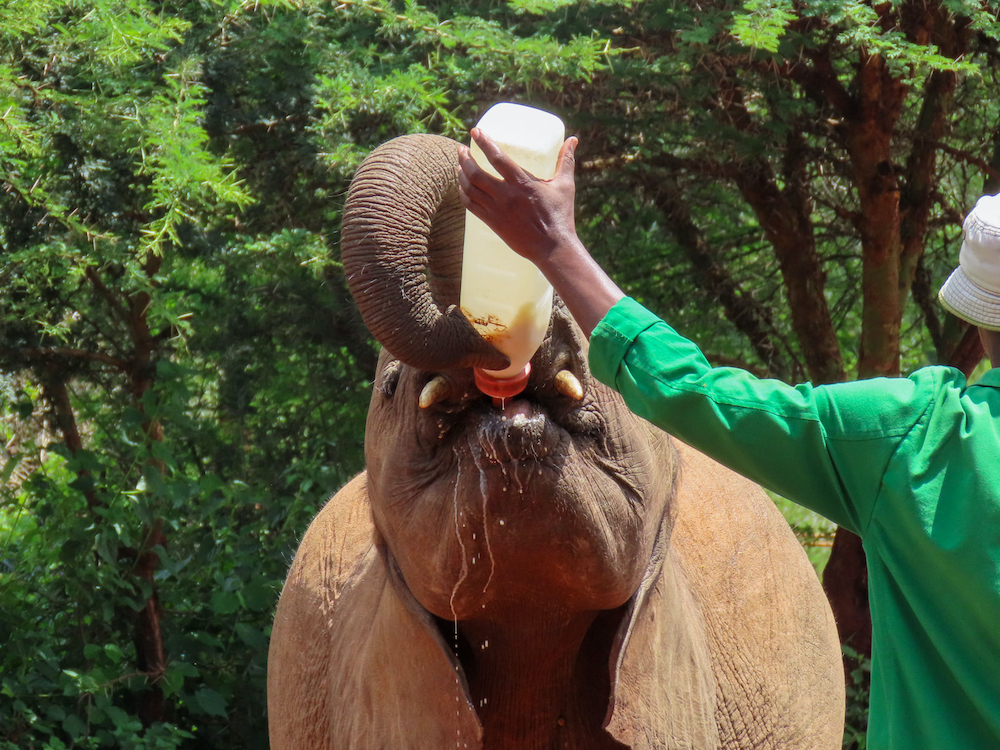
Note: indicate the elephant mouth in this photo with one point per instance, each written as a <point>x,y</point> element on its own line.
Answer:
<point>518,431</point>
<point>533,426</point>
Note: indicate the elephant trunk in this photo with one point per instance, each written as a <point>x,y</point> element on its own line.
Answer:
<point>401,245</point>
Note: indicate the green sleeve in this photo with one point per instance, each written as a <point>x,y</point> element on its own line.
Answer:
<point>823,447</point>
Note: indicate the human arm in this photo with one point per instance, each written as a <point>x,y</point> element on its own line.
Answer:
<point>535,218</point>
<point>825,447</point>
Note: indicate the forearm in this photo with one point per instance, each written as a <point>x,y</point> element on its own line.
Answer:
<point>581,283</point>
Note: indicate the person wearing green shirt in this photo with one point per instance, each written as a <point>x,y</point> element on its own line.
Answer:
<point>912,465</point>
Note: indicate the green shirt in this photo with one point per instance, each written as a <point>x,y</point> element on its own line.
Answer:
<point>910,464</point>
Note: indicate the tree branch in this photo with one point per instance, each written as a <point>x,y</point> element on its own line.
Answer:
<point>62,352</point>
<point>57,394</point>
<point>750,317</point>
<point>991,169</point>
<point>917,191</point>
<point>106,293</point>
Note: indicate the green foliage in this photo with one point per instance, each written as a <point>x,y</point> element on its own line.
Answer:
<point>183,377</point>
<point>179,395</point>
<point>763,23</point>
<point>858,693</point>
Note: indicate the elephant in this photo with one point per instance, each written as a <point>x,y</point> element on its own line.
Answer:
<point>546,571</point>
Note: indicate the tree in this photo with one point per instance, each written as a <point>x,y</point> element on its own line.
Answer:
<point>179,438</point>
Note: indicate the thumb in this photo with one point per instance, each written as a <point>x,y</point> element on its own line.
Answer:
<point>566,161</point>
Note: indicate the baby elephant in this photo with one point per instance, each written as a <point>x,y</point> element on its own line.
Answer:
<point>545,572</point>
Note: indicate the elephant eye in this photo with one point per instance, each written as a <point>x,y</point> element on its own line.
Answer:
<point>388,378</point>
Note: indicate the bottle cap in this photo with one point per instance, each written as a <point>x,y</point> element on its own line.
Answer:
<point>501,388</point>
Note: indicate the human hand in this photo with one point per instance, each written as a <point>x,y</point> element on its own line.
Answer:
<point>534,217</point>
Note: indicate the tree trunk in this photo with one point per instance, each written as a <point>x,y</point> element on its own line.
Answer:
<point>151,658</point>
<point>845,581</point>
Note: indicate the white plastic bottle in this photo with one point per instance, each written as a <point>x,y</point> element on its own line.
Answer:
<point>505,296</point>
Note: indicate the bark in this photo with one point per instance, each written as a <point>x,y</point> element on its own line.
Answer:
<point>785,215</point>
<point>893,225</point>
<point>869,142</point>
<point>991,171</point>
<point>787,225</point>
<point>148,633</point>
<point>151,655</point>
<point>57,394</point>
<point>927,23</point>
<point>991,183</point>
<point>918,193</point>
<point>151,658</point>
<point>968,352</point>
<point>867,130</point>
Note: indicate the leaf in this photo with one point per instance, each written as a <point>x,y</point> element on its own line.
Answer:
<point>172,682</point>
<point>24,409</point>
<point>251,636</point>
<point>74,726</point>
<point>161,452</point>
<point>211,702</point>
<point>83,484</point>
<point>763,24</point>
<point>8,468</point>
<point>107,545</point>
<point>258,596</point>
<point>122,719</point>
<point>84,461</point>
<point>55,713</point>
<point>697,35</point>
<point>114,653</point>
<point>538,7</point>
<point>188,670</point>
<point>224,603</point>
<point>210,483</point>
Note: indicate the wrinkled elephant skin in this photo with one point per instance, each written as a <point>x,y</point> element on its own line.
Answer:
<point>550,573</point>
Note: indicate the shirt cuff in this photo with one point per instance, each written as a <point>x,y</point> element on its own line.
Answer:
<point>613,337</point>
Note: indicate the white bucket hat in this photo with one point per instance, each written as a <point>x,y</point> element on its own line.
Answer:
<point>972,292</point>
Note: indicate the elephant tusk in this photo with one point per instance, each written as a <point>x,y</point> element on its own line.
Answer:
<point>568,384</point>
<point>436,390</point>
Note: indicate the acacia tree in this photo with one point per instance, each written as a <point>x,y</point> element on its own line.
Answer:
<point>173,428</point>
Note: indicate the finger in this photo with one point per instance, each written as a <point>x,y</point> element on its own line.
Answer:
<point>566,161</point>
<point>503,164</point>
<point>466,164</point>
<point>476,175</point>
<point>472,195</point>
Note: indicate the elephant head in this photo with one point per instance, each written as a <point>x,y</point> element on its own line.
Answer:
<point>534,515</point>
<point>555,494</point>
<point>511,575</point>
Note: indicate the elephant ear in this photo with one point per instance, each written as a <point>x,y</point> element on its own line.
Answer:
<point>355,662</point>
<point>663,692</point>
<point>774,644</point>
